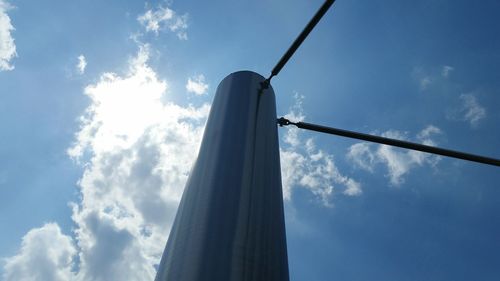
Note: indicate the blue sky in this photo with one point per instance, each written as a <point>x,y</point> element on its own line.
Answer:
<point>103,103</point>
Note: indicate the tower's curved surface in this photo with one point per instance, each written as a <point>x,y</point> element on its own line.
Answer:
<point>230,222</point>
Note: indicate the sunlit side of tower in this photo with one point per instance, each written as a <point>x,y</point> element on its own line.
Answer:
<point>230,221</point>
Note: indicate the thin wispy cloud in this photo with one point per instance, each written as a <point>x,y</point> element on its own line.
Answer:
<point>7,45</point>
<point>468,109</point>
<point>471,110</point>
<point>164,18</point>
<point>82,64</point>
<point>433,76</point>
<point>446,71</point>
<point>397,162</point>
<point>197,85</point>
<point>303,165</point>
<point>424,83</point>
<point>422,78</point>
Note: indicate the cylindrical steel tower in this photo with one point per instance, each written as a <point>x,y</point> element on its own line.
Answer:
<point>230,222</point>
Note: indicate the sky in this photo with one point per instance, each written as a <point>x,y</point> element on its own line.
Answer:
<point>103,105</point>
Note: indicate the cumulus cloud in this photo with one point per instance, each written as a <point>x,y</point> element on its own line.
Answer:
<point>162,18</point>
<point>197,85</point>
<point>304,165</point>
<point>82,64</point>
<point>397,162</point>
<point>446,70</point>
<point>141,150</point>
<point>136,149</point>
<point>7,46</point>
<point>45,254</point>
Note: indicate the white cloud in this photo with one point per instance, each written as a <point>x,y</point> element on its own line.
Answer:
<point>45,254</point>
<point>467,109</point>
<point>426,133</point>
<point>471,111</point>
<point>136,150</point>
<point>362,156</point>
<point>397,162</point>
<point>164,18</point>
<point>303,165</point>
<point>445,72</point>
<point>353,188</point>
<point>82,64</point>
<point>7,46</point>
<point>141,152</point>
<point>197,85</point>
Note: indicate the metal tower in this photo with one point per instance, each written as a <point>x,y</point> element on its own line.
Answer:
<point>230,221</point>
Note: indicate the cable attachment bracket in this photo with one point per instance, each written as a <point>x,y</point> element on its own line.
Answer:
<point>283,122</point>
<point>264,85</point>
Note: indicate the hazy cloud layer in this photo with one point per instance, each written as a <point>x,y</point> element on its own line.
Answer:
<point>197,85</point>
<point>397,162</point>
<point>303,165</point>
<point>7,46</point>
<point>164,18</point>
